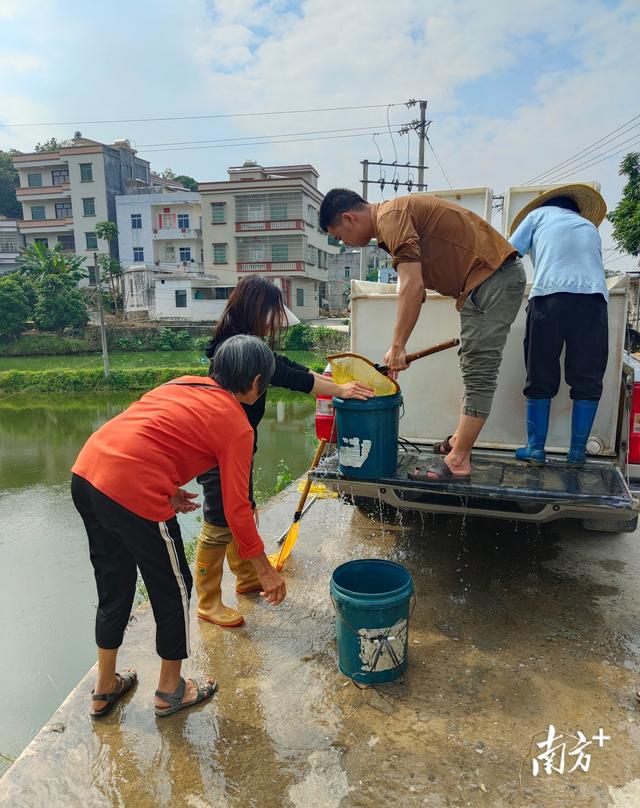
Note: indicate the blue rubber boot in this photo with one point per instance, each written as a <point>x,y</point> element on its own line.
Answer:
<point>537,426</point>
<point>584,413</point>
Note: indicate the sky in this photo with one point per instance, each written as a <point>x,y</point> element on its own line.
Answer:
<point>513,89</point>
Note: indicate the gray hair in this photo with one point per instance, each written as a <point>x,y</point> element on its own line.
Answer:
<point>239,360</point>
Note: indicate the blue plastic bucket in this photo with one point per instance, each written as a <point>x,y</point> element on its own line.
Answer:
<point>368,436</point>
<point>372,601</point>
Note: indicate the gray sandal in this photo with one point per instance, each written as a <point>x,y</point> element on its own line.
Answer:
<point>126,680</point>
<point>175,699</point>
<point>440,469</point>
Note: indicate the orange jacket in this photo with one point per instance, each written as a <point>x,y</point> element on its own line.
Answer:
<point>161,442</point>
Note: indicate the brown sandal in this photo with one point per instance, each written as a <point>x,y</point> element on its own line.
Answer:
<point>440,469</point>
<point>443,447</point>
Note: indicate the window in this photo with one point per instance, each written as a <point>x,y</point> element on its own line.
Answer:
<point>279,252</point>
<point>169,253</point>
<point>167,221</point>
<point>185,253</point>
<point>278,211</point>
<point>89,207</point>
<point>181,298</point>
<point>257,251</point>
<point>68,242</point>
<point>136,221</point>
<point>86,172</point>
<point>8,245</point>
<point>218,212</point>
<point>255,212</point>
<point>60,176</point>
<point>37,212</point>
<point>219,253</point>
<point>223,292</point>
<point>92,241</point>
<point>63,210</point>
<point>43,241</point>
<point>299,297</point>
<point>92,276</point>
<point>34,180</point>
<point>312,216</point>
<point>183,220</point>
<point>347,272</point>
<point>203,293</point>
<point>138,254</point>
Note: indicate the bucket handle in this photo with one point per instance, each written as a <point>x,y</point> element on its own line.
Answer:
<point>382,641</point>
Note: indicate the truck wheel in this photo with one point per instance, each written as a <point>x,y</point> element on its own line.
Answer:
<point>606,526</point>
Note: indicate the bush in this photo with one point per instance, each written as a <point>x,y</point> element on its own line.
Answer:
<point>298,338</point>
<point>14,308</point>
<point>170,340</point>
<point>44,345</point>
<point>60,305</point>
<point>200,343</point>
<point>87,380</point>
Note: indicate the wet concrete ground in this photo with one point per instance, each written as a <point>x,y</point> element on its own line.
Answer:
<point>514,629</point>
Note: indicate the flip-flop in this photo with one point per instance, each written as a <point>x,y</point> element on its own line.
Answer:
<point>174,700</point>
<point>439,468</point>
<point>126,680</point>
<point>443,447</point>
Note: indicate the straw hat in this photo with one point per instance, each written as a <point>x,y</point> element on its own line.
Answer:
<point>591,205</point>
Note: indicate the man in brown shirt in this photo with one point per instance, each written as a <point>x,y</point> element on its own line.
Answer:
<point>438,245</point>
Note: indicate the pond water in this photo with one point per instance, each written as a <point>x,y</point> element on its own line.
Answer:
<point>47,591</point>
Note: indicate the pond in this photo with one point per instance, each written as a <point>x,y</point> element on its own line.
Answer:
<point>47,591</point>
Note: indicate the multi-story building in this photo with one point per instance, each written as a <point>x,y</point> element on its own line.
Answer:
<point>11,242</point>
<point>264,221</point>
<point>160,237</point>
<point>65,193</point>
<point>345,266</point>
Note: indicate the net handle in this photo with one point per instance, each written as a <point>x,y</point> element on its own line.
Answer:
<point>442,346</point>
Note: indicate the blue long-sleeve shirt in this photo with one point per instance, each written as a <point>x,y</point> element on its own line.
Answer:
<point>565,250</point>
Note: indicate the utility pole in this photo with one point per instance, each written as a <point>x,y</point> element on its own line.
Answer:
<point>422,137</point>
<point>103,332</point>
<point>365,196</point>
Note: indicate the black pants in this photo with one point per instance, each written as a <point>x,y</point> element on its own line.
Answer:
<point>213,505</point>
<point>580,324</point>
<point>119,540</point>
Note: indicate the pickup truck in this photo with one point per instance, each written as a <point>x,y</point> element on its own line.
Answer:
<point>600,494</point>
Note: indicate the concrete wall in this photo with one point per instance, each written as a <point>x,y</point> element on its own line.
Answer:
<point>199,310</point>
<point>95,189</point>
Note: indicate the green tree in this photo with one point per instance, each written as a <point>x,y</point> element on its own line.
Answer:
<point>626,216</point>
<point>14,307</point>
<point>109,265</point>
<point>9,205</point>
<point>187,181</point>
<point>39,262</point>
<point>28,287</point>
<point>167,174</point>
<point>60,305</point>
<point>53,144</point>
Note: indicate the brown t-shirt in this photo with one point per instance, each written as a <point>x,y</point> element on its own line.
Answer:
<point>457,249</point>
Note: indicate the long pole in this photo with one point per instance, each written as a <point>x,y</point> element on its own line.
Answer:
<point>422,135</point>
<point>365,196</point>
<point>103,332</point>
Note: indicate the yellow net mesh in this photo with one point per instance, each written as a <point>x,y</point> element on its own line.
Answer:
<point>350,367</point>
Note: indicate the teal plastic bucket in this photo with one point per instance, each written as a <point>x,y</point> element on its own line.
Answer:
<point>372,599</point>
<point>368,436</point>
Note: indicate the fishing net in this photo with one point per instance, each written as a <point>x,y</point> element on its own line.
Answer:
<point>349,367</point>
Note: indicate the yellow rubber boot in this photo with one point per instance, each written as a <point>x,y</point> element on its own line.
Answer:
<point>208,577</point>
<point>246,576</point>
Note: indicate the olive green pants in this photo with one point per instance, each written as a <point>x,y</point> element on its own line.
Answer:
<point>485,322</point>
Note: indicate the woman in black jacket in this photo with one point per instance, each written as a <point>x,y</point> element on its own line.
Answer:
<point>255,308</point>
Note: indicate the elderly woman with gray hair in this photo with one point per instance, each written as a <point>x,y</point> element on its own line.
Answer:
<point>126,485</point>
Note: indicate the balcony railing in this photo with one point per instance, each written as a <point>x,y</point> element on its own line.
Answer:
<point>270,224</point>
<point>270,266</point>
<point>34,225</point>
<point>177,233</point>
<point>180,266</point>
<point>44,191</point>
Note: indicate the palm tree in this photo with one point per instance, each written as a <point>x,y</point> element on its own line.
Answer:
<point>39,262</point>
<point>109,265</point>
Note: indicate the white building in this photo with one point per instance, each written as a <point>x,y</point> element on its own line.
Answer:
<point>264,221</point>
<point>11,242</point>
<point>345,266</point>
<point>65,193</point>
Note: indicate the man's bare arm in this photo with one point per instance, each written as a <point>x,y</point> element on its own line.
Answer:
<point>410,299</point>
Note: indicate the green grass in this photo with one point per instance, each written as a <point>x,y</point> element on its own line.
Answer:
<point>143,359</point>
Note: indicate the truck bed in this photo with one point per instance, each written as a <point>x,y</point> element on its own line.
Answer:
<point>500,486</point>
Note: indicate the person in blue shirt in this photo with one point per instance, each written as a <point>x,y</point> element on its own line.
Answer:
<point>567,308</point>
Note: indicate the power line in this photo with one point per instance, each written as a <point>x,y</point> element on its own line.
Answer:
<point>253,137</point>
<point>256,143</point>
<point>588,164</point>
<point>582,152</point>
<point>439,163</point>
<point>208,117</point>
